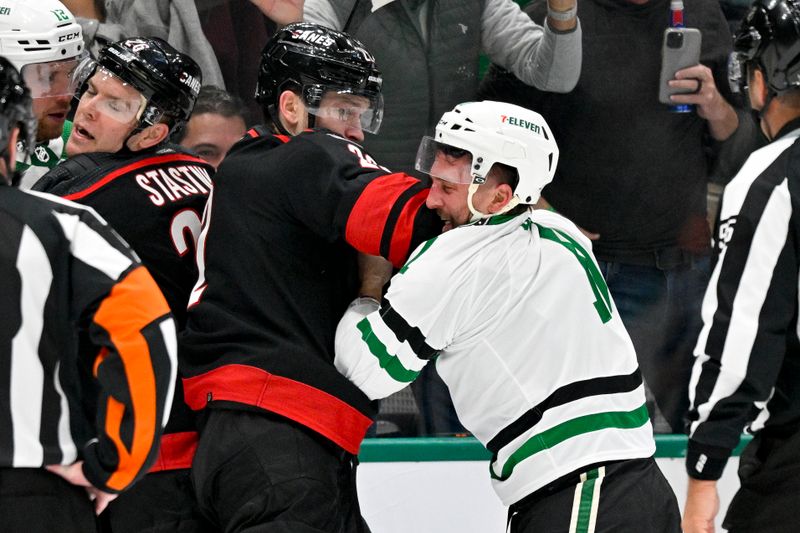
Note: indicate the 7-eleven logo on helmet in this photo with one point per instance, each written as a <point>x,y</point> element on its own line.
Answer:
<point>514,121</point>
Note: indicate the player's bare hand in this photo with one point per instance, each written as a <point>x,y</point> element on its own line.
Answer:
<point>702,506</point>
<point>74,474</point>
<point>374,272</point>
<point>282,12</point>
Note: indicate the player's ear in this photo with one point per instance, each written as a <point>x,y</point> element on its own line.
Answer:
<point>149,137</point>
<point>501,195</point>
<point>292,112</point>
<point>758,88</point>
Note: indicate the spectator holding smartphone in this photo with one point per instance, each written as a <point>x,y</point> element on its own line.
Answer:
<point>636,177</point>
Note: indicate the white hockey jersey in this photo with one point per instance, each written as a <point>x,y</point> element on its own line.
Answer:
<point>46,155</point>
<point>525,334</point>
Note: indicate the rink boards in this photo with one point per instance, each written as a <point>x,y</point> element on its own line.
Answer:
<point>441,485</point>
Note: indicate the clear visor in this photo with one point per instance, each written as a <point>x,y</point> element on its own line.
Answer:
<point>351,109</point>
<point>54,78</point>
<point>444,161</point>
<point>110,96</point>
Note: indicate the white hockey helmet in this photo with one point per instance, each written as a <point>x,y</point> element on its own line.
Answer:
<point>496,132</point>
<point>35,32</point>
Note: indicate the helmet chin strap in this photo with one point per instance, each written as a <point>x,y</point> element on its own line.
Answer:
<point>477,215</point>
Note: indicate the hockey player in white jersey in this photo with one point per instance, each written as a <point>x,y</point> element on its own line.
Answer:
<point>511,305</point>
<point>45,43</point>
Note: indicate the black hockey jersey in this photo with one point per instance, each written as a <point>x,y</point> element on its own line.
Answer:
<point>277,266</point>
<point>154,199</point>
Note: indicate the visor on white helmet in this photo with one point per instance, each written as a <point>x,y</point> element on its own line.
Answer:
<point>54,78</point>
<point>446,162</point>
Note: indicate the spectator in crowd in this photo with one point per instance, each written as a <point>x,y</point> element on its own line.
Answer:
<point>281,428</point>
<point>153,194</point>
<point>237,31</point>
<point>748,352</point>
<point>46,69</point>
<point>428,51</point>
<point>92,416</point>
<point>217,122</point>
<point>511,303</point>
<point>636,177</point>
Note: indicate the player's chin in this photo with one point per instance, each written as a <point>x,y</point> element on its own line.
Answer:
<point>49,129</point>
<point>76,147</point>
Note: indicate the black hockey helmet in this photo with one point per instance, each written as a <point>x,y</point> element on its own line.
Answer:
<point>169,80</point>
<point>769,37</point>
<point>311,60</point>
<point>15,111</point>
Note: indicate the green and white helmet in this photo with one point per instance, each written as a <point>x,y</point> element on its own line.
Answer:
<point>495,132</point>
<point>43,41</point>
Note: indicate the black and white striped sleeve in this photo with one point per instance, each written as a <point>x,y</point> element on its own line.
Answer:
<point>118,306</point>
<point>383,349</point>
<point>749,312</point>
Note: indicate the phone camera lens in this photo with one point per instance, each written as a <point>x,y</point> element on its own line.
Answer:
<point>674,39</point>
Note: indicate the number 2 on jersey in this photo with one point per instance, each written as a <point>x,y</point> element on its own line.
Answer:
<point>185,223</point>
<point>365,160</point>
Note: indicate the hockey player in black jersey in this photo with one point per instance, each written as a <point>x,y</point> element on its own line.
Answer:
<point>292,202</point>
<point>153,193</point>
<point>94,416</point>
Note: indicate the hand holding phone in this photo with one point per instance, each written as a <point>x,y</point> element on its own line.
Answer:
<point>680,49</point>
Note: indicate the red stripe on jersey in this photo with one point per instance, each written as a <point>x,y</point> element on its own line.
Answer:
<point>150,161</point>
<point>176,451</point>
<point>316,409</point>
<point>367,220</point>
<point>401,239</point>
<point>254,133</point>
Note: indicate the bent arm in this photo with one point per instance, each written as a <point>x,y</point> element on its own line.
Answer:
<point>539,56</point>
<point>118,304</point>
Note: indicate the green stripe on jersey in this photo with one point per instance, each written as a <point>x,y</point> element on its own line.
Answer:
<point>572,428</point>
<point>500,219</point>
<point>602,303</point>
<point>388,362</point>
<point>424,249</point>
<point>65,133</point>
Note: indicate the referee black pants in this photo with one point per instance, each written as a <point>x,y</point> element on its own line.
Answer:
<point>768,498</point>
<point>621,497</point>
<point>32,500</point>
<point>257,472</point>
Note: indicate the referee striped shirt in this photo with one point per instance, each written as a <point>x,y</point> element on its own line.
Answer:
<point>88,348</point>
<point>747,366</point>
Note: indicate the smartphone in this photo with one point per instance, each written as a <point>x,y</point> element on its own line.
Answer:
<point>680,49</point>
